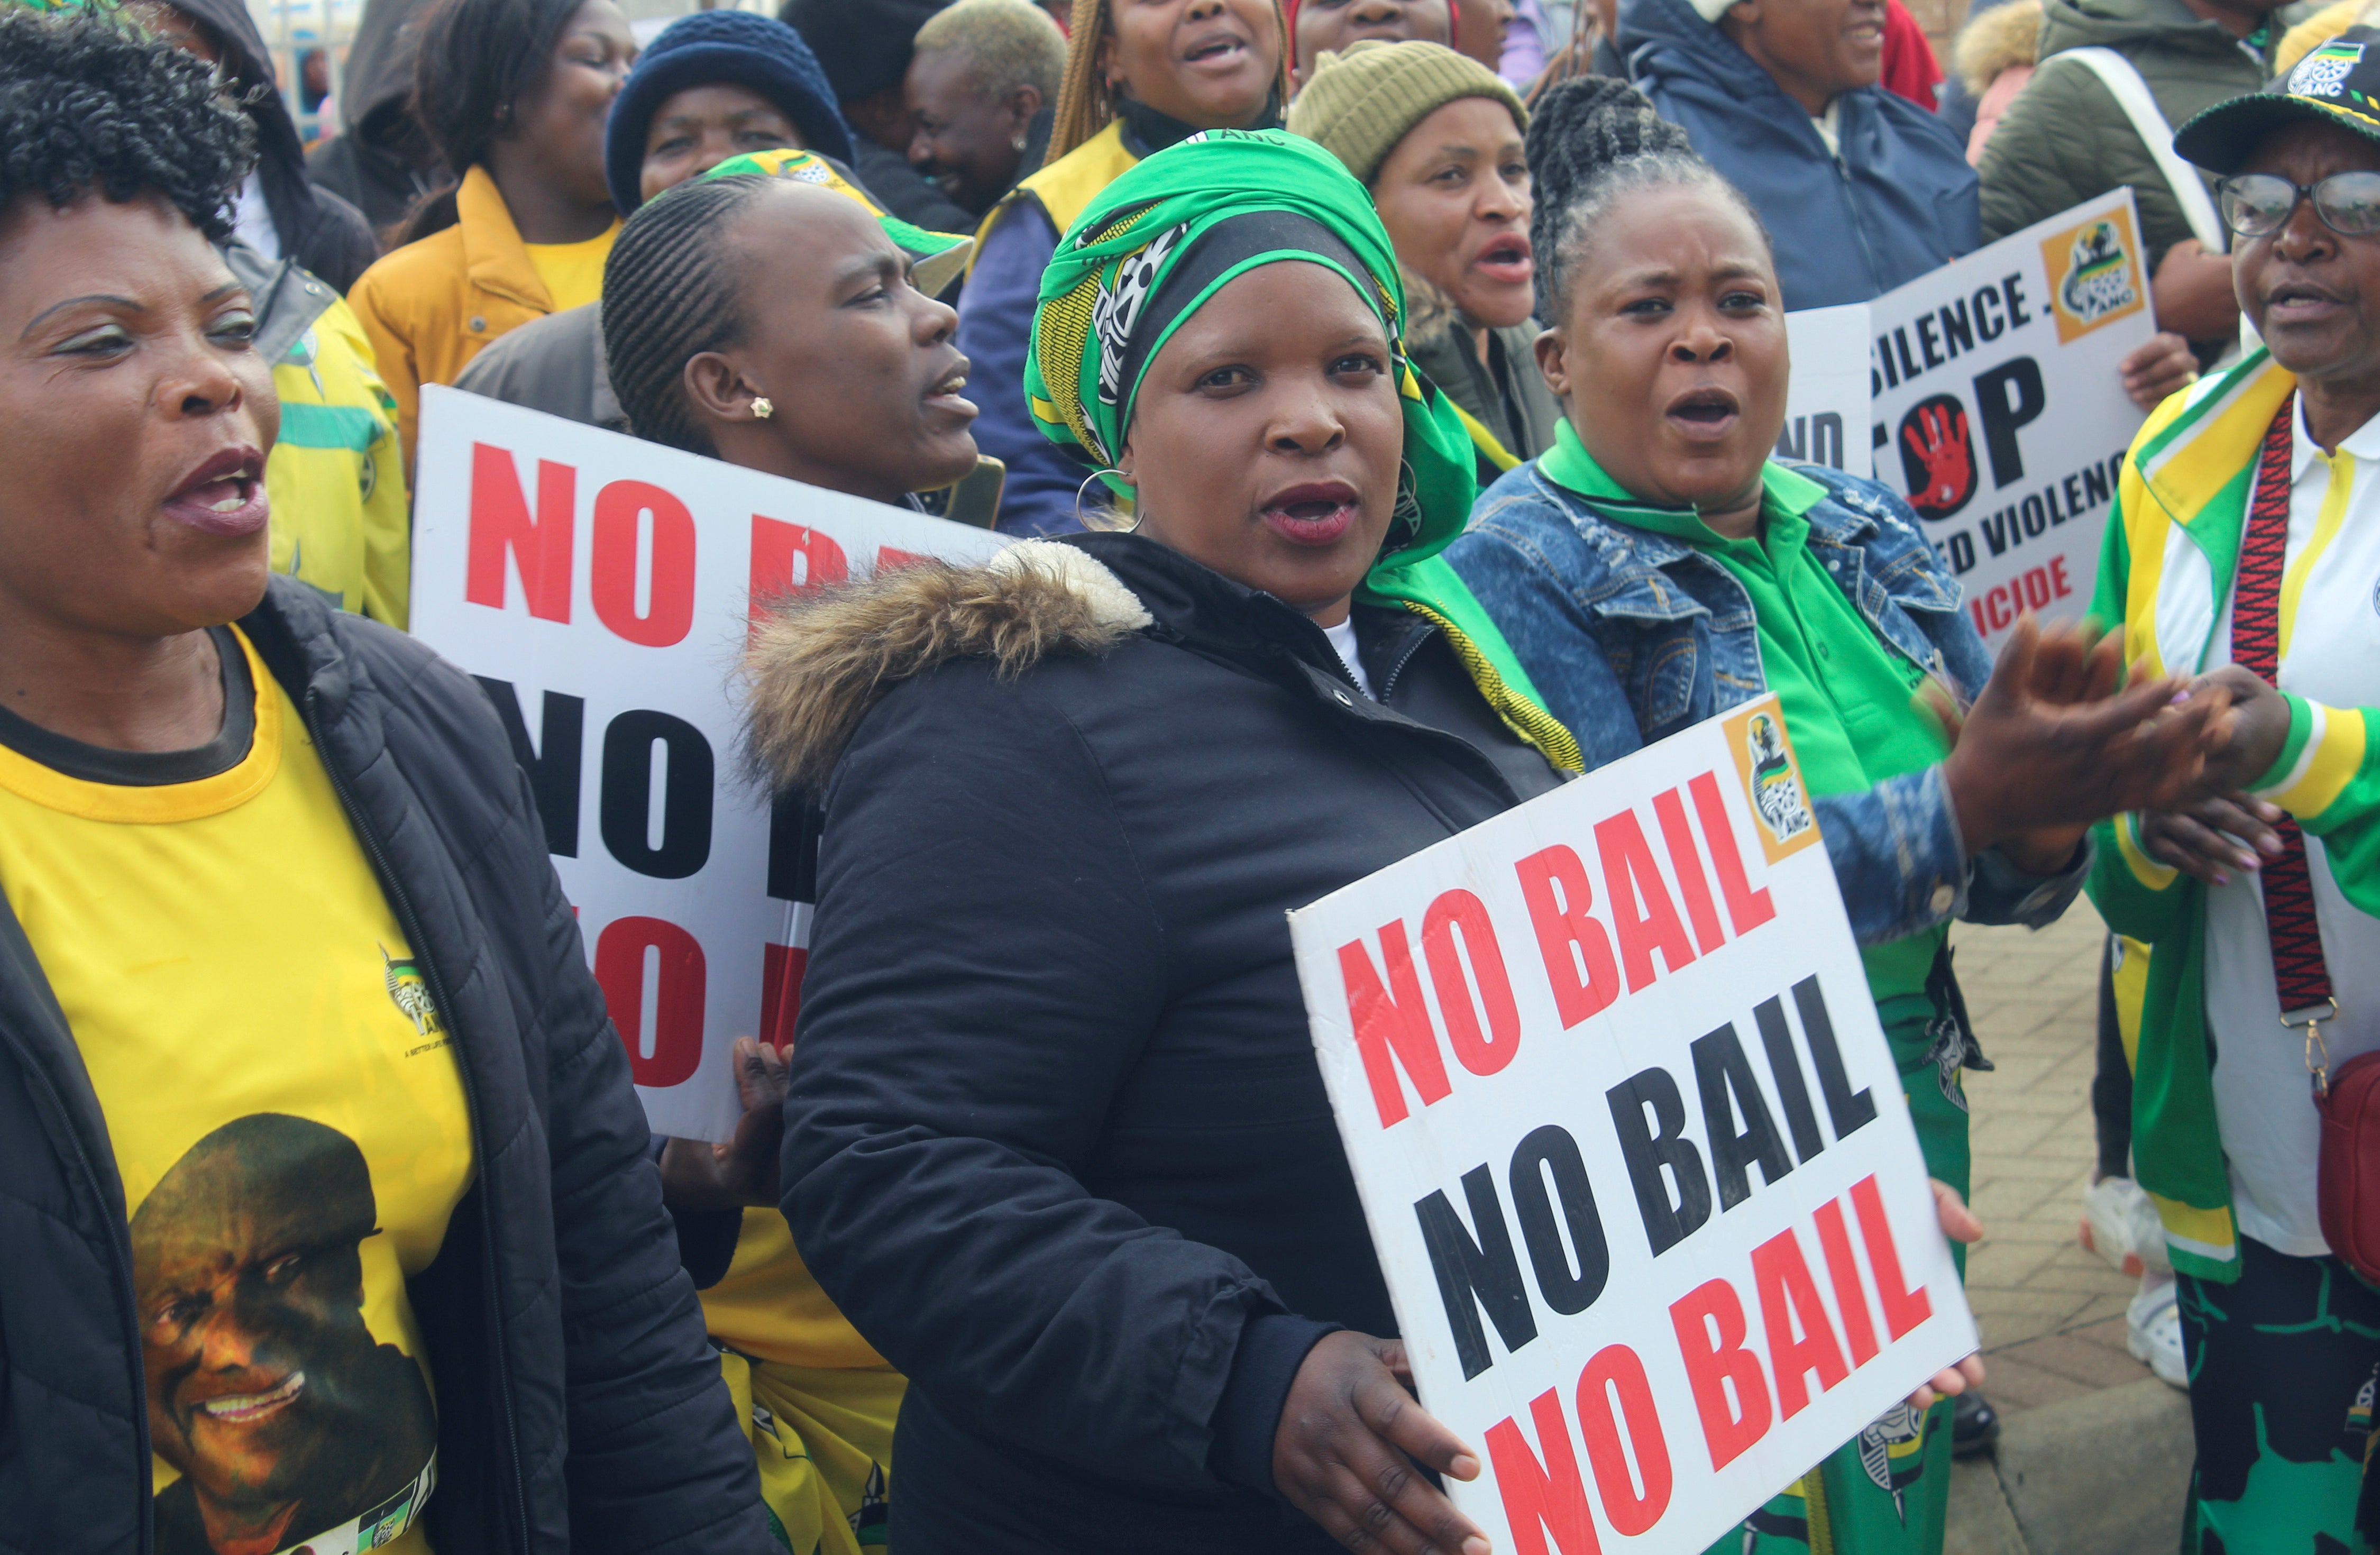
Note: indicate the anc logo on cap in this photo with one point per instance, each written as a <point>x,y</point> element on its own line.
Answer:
<point>2094,274</point>
<point>939,255</point>
<point>2323,72</point>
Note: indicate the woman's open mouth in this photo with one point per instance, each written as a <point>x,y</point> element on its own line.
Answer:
<point>223,496</point>
<point>2298,302</point>
<point>247,1409</point>
<point>1506,258</point>
<point>945,397</point>
<point>1217,52</point>
<point>1704,414</point>
<point>1319,512</point>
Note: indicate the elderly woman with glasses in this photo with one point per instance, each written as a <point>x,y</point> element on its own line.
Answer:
<point>2248,543</point>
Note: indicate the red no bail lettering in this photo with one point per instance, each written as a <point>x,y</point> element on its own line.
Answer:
<point>1391,1024</point>
<point>788,558</point>
<point>503,527</point>
<point>1538,1496</point>
<point>1617,1370</point>
<point>619,551</point>
<point>1457,924</point>
<point>1710,1324</point>
<point>1584,979</point>
<point>1788,1299</point>
<point>677,1002</point>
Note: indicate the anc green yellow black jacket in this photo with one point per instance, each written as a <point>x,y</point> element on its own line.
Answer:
<point>336,475</point>
<point>2165,573</point>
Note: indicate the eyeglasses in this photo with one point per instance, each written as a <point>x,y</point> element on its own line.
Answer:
<point>2256,204</point>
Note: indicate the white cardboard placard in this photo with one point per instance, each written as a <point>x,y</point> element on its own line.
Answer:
<point>1633,1148</point>
<point>600,587</point>
<point>2000,407</point>
<point>1827,401</point>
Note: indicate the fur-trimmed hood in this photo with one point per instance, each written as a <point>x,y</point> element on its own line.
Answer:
<point>2001,39</point>
<point>826,657</point>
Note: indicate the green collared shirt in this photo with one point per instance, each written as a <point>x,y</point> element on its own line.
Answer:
<point>1848,697</point>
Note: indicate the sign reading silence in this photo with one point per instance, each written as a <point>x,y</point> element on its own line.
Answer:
<point>2000,409</point>
<point>600,589</point>
<point>1633,1148</point>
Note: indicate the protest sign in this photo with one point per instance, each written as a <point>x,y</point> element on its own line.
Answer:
<point>1826,403</point>
<point>600,589</point>
<point>1635,1154</point>
<point>2000,407</point>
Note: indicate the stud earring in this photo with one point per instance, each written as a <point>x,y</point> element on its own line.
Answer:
<point>1016,141</point>
<point>761,409</point>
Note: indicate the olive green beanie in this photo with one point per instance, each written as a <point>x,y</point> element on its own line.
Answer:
<point>1358,104</point>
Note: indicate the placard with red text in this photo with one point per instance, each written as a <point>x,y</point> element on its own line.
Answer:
<point>2001,408</point>
<point>1633,1148</point>
<point>600,587</point>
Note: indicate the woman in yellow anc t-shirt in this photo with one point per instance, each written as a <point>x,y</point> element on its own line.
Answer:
<point>323,1186</point>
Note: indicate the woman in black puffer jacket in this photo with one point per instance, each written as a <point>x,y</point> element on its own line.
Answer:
<point>1056,1140</point>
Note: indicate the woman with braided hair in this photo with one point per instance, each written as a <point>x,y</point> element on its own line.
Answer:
<point>1141,75</point>
<point>1656,567</point>
<point>786,325</point>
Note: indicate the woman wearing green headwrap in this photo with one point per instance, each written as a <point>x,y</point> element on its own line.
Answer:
<point>1056,1142</point>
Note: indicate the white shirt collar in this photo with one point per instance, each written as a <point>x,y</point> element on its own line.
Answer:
<point>2363,443</point>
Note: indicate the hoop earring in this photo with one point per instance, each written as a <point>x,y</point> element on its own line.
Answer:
<point>761,409</point>
<point>1087,486</point>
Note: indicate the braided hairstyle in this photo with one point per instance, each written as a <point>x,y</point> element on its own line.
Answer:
<point>477,59</point>
<point>1591,140</point>
<point>672,291</point>
<point>90,106</point>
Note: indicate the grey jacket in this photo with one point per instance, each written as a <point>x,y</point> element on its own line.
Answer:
<point>553,364</point>
<point>2065,141</point>
<point>1506,393</point>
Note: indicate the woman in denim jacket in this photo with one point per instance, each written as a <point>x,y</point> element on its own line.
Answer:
<point>1654,567</point>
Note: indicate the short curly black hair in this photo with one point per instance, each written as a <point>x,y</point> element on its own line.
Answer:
<point>89,105</point>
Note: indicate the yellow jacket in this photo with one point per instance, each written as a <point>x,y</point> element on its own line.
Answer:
<point>335,476</point>
<point>432,305</point>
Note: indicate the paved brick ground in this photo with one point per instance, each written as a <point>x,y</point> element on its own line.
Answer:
<point>2052,1314</point>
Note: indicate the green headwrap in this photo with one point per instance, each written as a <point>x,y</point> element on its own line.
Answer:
<point>1094,330</point>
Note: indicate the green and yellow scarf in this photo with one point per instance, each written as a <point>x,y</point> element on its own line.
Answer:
<point>1276,196</point>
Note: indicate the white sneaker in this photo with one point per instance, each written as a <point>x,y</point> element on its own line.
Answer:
<point>2119,1223</point>
<point>2153,1330</point>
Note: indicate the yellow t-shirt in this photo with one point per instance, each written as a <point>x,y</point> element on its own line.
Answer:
<point>283,1106</point>
<point>573,272</point>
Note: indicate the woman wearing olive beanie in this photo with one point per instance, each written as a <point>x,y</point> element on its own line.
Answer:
<point>1435,139</point>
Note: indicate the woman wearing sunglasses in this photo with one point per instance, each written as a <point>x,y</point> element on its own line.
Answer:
<point>2248,547</point>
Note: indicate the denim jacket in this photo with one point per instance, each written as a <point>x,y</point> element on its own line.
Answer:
<point>1632,636</point>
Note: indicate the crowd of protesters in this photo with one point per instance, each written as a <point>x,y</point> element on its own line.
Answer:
<point>1384,397</point>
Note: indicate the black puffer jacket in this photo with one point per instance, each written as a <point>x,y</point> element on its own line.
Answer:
<point>1056,1142</point>
<point>580,1410</point>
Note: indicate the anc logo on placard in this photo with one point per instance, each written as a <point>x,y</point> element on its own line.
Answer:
<point>2094,274</point>
<point>409,992</point>
<point>1772,779</point>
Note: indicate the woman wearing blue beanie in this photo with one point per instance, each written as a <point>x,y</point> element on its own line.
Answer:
<point>715,84</point>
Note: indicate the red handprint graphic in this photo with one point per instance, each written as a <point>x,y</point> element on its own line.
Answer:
<point>1936,446</point>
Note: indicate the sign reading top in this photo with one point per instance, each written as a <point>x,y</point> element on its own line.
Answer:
<point>1999,404</point>
<point>1632,1147</point>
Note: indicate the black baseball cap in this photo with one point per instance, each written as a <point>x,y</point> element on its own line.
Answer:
<point>2338,83</point>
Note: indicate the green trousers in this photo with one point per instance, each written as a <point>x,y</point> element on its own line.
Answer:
<point>1887,1492</point>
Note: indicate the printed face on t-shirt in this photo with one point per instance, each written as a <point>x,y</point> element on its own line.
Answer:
<point>266,1390</point>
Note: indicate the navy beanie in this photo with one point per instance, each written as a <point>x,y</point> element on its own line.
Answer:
<point>735,47</point>
<point>864,44</point>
